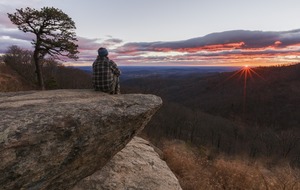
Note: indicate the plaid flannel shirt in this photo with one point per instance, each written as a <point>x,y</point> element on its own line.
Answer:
<point>103,74</point>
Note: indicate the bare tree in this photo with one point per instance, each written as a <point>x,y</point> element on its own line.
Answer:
<point>20,60</point>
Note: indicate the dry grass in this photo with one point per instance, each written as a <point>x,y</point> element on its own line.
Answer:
<point>196,172</point>
<point>11,81</point>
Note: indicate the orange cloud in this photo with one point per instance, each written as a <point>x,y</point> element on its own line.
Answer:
<point>277,43</point>
<point>213,47</point>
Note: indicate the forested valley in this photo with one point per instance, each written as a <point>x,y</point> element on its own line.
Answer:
<point>230,130</point>
<point>260,120</point>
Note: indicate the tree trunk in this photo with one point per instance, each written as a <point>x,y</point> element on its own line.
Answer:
<point>38,70</point>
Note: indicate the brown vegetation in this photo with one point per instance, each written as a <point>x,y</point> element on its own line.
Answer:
<point>18,73</point>
<point>10,81</point>
<point>196,171</point>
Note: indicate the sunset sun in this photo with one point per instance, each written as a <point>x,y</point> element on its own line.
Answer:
<point>245,73</point>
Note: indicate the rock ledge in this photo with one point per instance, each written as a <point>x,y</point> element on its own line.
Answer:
<point>53,139</point>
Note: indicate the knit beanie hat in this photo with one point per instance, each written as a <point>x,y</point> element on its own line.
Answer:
<point>102,52</point>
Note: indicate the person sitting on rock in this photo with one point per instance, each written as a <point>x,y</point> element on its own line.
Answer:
<point>105,73</point>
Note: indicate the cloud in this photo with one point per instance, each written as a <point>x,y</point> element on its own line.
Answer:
<point>229,47</point>
<point>5,22</point>
<point>112,42</point>
<point>236,39</point>
<point>9,34</point>
<point>5,43</point>
<point>88,47</point>
<point>234,45</point>
<point>9,37</point>
<point>16,34</point>
<point>87,44</point>
<point>94,44</point>
<point>18,3</point>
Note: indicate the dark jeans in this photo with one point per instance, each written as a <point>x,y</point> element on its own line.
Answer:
<point>116,85</point>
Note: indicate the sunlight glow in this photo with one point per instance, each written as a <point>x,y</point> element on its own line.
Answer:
<point>162,54</point>
<point>245,73</point>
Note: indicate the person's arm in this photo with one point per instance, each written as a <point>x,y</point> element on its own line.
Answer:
<point>115,68</point>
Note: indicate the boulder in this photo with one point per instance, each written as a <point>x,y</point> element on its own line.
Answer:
<point>136,167</point>
<point>53,139</point>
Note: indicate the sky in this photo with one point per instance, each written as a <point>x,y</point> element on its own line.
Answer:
<point>172,32</point>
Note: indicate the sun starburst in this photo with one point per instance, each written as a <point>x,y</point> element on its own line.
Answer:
<point>245,73</point>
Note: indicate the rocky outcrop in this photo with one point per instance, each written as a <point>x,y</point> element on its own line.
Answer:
<point>52,139</point>
<point>136,167</point>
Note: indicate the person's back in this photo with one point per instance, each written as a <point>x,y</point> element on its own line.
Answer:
<point>105,74</point>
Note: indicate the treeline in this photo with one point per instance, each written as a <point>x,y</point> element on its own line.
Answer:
<point>221,135</point>
<point>55,75</point>
<point>212,112</point>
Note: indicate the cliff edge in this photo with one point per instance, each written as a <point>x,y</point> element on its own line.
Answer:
<point>53,139</point>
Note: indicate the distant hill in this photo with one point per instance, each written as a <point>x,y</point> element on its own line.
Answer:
<point>132,72</point>
<point>273,97</point>
<point>270,97</point>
